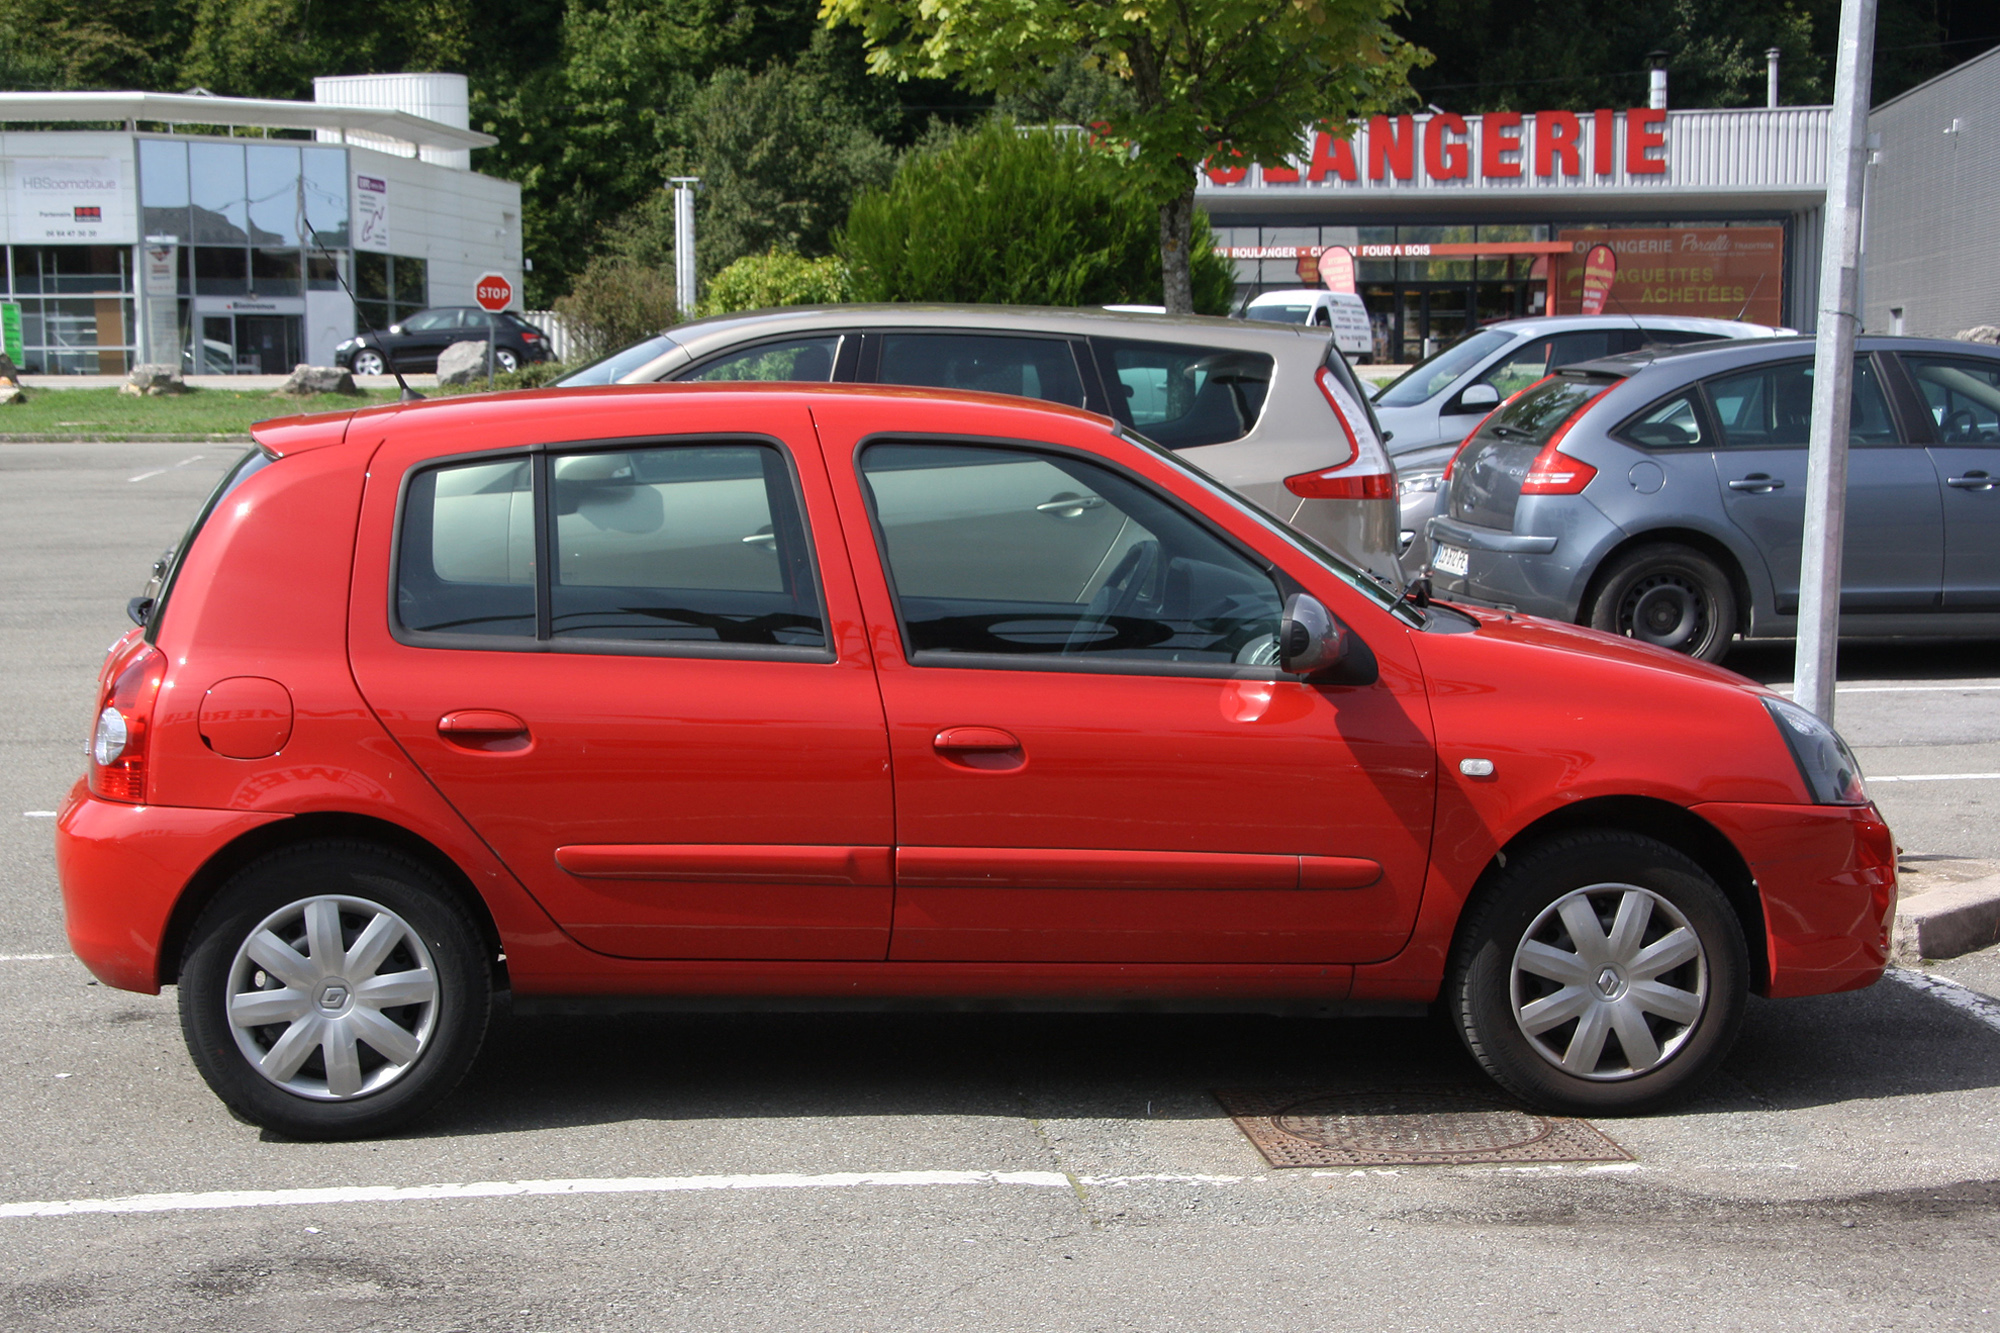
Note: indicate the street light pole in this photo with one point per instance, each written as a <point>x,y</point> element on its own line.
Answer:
<point>684,187</point>
<point>1833,363</point>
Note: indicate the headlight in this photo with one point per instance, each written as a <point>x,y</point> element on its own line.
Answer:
<point>1421,482</point>
<point>1828,766</point>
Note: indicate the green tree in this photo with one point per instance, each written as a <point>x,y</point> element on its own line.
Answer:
<point>1237,78</point>
<point>1018,218</point>
<point>779,278</point>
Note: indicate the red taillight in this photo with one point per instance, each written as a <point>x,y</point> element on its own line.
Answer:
<point>1554,472</point>
<point>130,685</point>
<point>1365,474</point>
<point>527,337</point>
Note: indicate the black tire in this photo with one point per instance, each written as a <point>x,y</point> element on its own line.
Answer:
<point>423,962</point>
<point>1671,596</point>
<point>1689,1012</point>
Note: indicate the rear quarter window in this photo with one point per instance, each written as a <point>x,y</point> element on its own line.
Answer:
<point>1184,396</point>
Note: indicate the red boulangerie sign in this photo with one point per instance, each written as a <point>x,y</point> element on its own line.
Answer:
<point>1718,272</point>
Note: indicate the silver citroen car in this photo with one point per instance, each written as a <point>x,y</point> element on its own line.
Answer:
<point>1273,412</point>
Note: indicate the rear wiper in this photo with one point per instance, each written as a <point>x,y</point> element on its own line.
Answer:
<point>1514,431</point>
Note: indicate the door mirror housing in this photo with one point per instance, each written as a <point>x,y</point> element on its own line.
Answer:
<point>1310,639</point>
<point>1479,398</point>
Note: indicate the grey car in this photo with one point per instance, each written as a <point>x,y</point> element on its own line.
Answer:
<point>1427,411</point>
<point>1661,495</point>
<point>1274,412</point>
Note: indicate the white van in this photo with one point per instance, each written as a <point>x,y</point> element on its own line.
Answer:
<point>1342,312</point>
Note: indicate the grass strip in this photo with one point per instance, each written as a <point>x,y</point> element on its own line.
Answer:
<point>106,415</point>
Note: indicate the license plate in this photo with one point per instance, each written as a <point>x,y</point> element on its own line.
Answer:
<point>1450,560</point>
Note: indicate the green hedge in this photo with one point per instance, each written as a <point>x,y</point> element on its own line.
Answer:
<point>760,282</point>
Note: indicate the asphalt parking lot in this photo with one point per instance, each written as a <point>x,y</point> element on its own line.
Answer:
<point>889,1172</point>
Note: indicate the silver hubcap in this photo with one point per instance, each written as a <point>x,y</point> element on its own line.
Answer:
<point>1609,982</point>
<point>333,998</point>
<point>368,363</point>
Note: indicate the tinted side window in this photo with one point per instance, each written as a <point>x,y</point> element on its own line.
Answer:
<point>690,543</point>
<point>431,321</point>
<point>1673,424</point>
<point>1963,395</point>
<point>1016,553</point>
<point>1184,397</point>
<point>799,360</point>
<point>1771,407</point>
<point>467,561</point>
<point>1027,367</point>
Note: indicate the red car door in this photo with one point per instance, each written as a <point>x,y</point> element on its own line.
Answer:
<point>1092,761</point>
<point>636,669</point>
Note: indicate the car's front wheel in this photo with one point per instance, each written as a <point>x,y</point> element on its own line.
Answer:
<point>1599,973</point>
<point>368,361</point>
<point>334,990</point>
<point>1670,596</point>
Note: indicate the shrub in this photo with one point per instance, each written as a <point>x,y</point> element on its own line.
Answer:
<point>759,282</point>
<point>532,376</point>
<point>613,302</point>
<point>1017,218</point>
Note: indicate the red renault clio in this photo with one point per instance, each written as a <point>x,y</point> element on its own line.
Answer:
<point>823,694</point>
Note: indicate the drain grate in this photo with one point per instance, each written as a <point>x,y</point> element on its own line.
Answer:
<point>1409,1126</point>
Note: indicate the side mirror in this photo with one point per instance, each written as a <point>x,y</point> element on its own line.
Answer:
<point>1309,638</point>
<point>1479,398</point>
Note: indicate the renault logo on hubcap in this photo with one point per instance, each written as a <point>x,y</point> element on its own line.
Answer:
<point>1607,981</point>
<point>333,995</point>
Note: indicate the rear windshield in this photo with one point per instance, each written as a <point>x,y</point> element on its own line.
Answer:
<point>168,567</point>
<point>1487,476</point>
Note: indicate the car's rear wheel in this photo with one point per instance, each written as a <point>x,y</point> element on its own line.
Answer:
<point>1670,596</point>
<point>1599,973</point>
<point>505,361</point>
<point>334,990</point>
<point>370,362</point>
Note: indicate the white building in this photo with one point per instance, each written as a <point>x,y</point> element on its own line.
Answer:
<point>216,232</point>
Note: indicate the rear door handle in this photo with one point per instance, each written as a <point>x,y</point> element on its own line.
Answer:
<point>484,729</point>
<point>1757,483</point>
<point>987,748</point>
<point>1973,481</point>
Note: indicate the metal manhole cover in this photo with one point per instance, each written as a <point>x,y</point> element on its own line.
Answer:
<point>1406,1127</point>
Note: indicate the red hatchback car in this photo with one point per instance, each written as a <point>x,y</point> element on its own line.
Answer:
<point>871,695</point>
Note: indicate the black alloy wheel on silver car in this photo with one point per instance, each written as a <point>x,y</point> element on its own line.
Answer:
<point>368,361</point>
<point>1599,973</point>
<point>334,990</point>
<point>1670,596</point>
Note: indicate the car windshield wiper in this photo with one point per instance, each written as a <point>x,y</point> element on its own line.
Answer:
<point>1513,432</point>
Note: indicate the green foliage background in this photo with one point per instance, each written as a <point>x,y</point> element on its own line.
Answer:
<point>997,215</point>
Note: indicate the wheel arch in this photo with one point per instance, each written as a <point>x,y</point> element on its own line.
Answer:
<point>1677,827</point>
<point>1731,561</point>
<point>260,842</point>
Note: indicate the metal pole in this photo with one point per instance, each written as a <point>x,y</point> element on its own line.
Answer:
<point>684,243</point>
<point>489,351</point>
<point>1771,76</point>
<point>1833,363</point>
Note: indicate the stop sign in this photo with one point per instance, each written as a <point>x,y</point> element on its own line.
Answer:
<point>493,292</point>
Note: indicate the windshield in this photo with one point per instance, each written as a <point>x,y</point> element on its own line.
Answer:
<point>1278,313</point>
<point>1367,584</point>
<point>1431,377</point>
<point>611,369</point>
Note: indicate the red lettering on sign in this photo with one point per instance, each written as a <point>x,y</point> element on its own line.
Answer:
<point>1331,155</point>
<point>1446,161</point>
<point>1494,140</point>
<point>1226,175</point>
<point>1557,134</point>
<point>1604,141</point>
<point>1645,127</point>
<point>1392,147</point>
<point>1281,175</point>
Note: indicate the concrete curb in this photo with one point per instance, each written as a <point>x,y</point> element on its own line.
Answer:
<point>1949,920</point>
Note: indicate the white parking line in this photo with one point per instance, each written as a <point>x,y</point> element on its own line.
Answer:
<point>30,957</point>
<point>1842,690</point>
<point>498,1189</point>
<point>1940,777</point>
<point>38,814</point>
<point>162,471</point>
<point>1963,998</point>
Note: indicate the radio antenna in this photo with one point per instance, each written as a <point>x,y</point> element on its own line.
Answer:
<point>1748,299</point>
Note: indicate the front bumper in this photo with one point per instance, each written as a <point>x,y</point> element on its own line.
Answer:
<point>1826,877</point>
<point>123,868</point>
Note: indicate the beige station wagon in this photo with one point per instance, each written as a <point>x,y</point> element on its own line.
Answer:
<point>1275,413</point>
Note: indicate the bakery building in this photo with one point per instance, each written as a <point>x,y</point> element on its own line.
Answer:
<point>1454,221</point>
<point>225,235</point>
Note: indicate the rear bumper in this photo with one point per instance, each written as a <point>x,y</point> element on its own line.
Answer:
<point>1538,574</point>
<point>1826,876</point>
<point>123,868</point>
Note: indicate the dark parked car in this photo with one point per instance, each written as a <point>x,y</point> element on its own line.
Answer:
<point>1661,495</point>
<point>414,343</point>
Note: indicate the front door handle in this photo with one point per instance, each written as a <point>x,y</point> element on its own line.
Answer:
<point>486,729</point>
<point>1757,483</point>
<point>988,749</point>
<point>1070,506</point>
<point>1973,481</point>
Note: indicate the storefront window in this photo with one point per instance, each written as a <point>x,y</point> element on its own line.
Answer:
<point>324,173</point>
<point>388,288</point>
<point>274,203</point>
<point>163,187</point>
<point>216,191</point>
<point>76,308</point>
<point>221,270</point>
